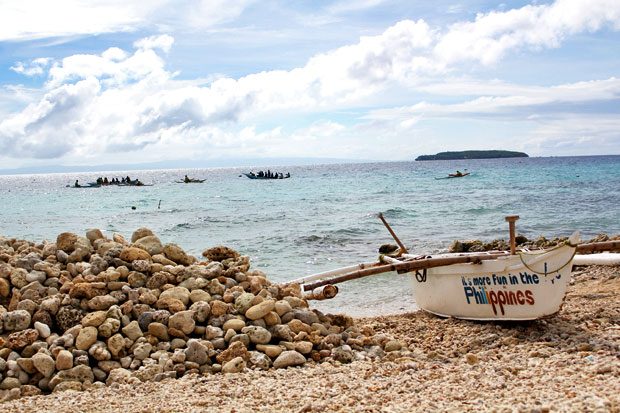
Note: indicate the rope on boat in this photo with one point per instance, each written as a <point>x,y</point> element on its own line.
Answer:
<point>546,251</point>
<point>421,278</point>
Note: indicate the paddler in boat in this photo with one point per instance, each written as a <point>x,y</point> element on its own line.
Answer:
<point>187,179</point>
<point>76,184</point>
<point>458,173</point>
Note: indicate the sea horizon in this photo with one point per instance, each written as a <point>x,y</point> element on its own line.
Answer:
<point>234,163</point>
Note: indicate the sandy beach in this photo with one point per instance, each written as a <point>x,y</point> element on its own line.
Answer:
<point>568,362</point>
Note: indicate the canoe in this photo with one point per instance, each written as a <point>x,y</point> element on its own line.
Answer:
<point>97,185</point>
<point>492,285</point>
<point>454,176</point>
<point>264,177</point>
<point>191,181</point>
<point>525,286</point>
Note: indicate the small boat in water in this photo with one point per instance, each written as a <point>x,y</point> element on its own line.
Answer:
<point>456,175</point>
<point>252,175</point>
<point>135,182</point>
<point>188,180</point>
<point>191,181</point>
<point>495,285</point>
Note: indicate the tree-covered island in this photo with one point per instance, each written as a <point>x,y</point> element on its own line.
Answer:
<point>444,156</point>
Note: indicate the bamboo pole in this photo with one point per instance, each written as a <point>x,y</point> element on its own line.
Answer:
<point>599,246</point>
<point>401,267</point>
<point>400,244</point>
<point>322,293</point>
<point>337,271</point>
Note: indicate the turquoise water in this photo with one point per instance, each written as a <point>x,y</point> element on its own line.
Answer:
<point>325,216</point>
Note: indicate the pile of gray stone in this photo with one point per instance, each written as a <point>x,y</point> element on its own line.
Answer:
<point>84,310</point>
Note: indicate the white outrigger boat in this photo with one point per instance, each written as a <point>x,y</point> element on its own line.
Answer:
<point>495,285</point>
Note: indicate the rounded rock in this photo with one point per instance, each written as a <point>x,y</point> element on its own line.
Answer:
<point>17,320</point>
<point>289,358</point>
<point>183,320</point>
<point>234,324</point>
<point>43,329</point>
<point>86,338</point>
<point>66,241</point>
<point>64,360</point>
<point>44,364</point>
<point>178,293</point>
<point>150,244</point>
<point>159,330</point>
<point>141,233</point>
<point>257,335</point>
<point>260,310</point>
<point>235,365</point>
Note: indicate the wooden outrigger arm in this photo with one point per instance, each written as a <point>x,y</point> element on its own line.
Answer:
<point>367,269</point>
<point>400,244</point>
<point>598,246</point>
<point>401,267</point>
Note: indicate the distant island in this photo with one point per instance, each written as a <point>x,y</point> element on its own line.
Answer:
<point>444,156</point>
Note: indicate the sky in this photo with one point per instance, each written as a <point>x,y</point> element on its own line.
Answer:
<point>124,82</point>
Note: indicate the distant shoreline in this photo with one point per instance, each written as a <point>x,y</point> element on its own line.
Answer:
<point>493,154</point>
<point>163,166</point>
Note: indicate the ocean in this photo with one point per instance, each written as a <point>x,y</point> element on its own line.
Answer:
<point>325,216</point>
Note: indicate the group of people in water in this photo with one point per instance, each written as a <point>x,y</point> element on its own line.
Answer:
<point>271,175</point>
<point>113,181</point>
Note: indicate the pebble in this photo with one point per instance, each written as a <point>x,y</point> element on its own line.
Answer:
<point>43,329</point>
<point>64,360</point>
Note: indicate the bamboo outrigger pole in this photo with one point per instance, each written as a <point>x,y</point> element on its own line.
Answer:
<point>401,267</point>
<point>599,246</point>
<point>400,244</point>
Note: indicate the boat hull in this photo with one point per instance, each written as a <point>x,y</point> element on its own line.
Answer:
<point>265,177</point>
<point>515,287</point>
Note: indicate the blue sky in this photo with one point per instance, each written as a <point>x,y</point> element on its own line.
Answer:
<point>105,82</point>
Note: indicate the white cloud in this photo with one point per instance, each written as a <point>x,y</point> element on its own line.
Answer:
<point>163,42</point>
<point>492,35</point>
<point>37,19</point>
<point>113,67</point>
<point>120,102</point>
<point>509,101</point>
<point>33,68</point>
